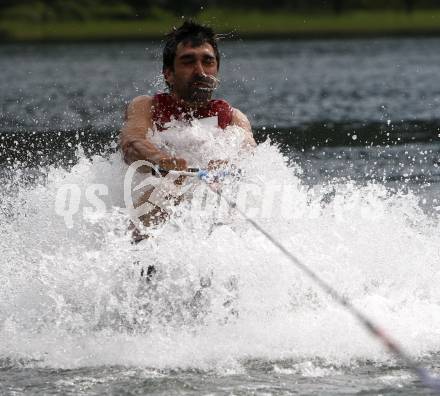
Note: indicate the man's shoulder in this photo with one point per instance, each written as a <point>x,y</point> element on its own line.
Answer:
<point>238,114</point>
<point>240,119</point>
<point>140,106</point>
<point>142,100</point>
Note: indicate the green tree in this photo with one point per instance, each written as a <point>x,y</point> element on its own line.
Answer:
<point>338,6</point>
<point>140,7</point>
<point>409,5</point>
<point>185,7</point>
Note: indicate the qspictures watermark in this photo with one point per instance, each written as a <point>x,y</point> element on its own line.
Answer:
<point>258,200</point>
<point>68,201</point>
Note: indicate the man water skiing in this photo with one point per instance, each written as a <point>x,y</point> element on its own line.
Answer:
<point>190,67</point>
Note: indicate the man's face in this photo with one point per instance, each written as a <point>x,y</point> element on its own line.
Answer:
<point>195,70</point>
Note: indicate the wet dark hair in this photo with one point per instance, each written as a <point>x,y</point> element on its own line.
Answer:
<point>189,33</point>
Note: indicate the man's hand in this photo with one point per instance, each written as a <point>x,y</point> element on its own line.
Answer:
<point>171,163</point>
<point>216,164</point>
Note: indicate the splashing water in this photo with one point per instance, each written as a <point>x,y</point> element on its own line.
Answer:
<point>222,294</point>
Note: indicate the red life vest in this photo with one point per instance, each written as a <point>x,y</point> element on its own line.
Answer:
<point>165,108</point>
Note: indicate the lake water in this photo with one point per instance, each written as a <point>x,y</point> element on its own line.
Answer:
<point>349,134</point>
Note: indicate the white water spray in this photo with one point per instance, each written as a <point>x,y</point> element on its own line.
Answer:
<point>72,297</point>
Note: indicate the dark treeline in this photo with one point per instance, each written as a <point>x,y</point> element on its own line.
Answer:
<point>130,9</point>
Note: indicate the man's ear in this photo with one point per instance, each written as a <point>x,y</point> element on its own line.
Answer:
<point>168,75</point>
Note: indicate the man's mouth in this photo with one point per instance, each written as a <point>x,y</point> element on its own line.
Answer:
<point>206,84</point>
<point>203,85</point>
<point>200,89</point>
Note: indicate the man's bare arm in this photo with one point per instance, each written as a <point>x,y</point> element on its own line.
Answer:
<point>134,141</point>
<point>239,119</point>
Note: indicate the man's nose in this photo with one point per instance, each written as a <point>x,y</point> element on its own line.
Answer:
<point>199,70</point>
